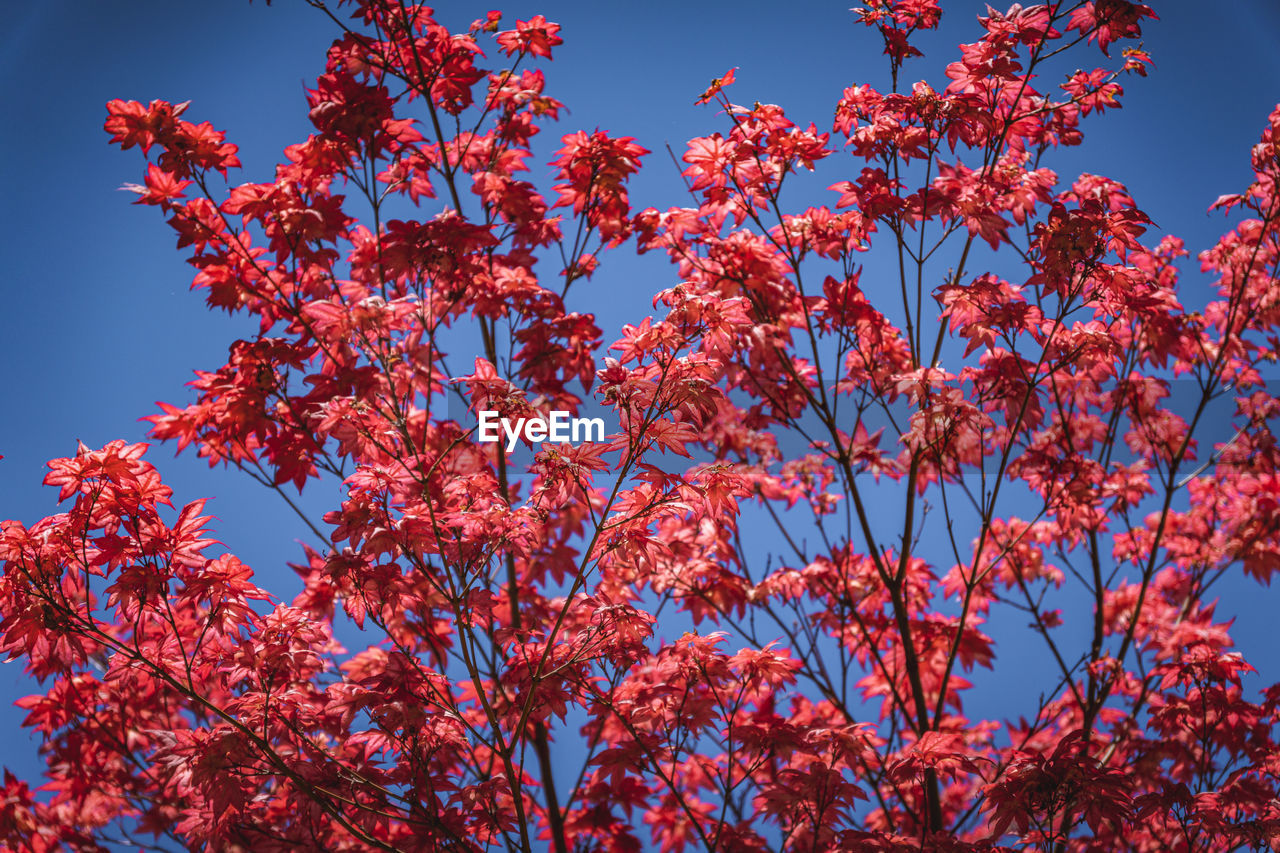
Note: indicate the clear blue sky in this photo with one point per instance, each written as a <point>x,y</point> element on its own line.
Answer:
<point>98,322</point>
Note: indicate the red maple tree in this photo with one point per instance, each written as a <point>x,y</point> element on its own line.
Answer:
<point>515,687</point>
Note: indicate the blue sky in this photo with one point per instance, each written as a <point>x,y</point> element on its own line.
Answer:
<point>98,321</point>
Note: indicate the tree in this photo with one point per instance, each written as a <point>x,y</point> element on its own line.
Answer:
<point>1009,394</point>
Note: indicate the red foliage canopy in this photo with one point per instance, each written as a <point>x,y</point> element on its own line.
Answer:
<point>1007,396</point>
